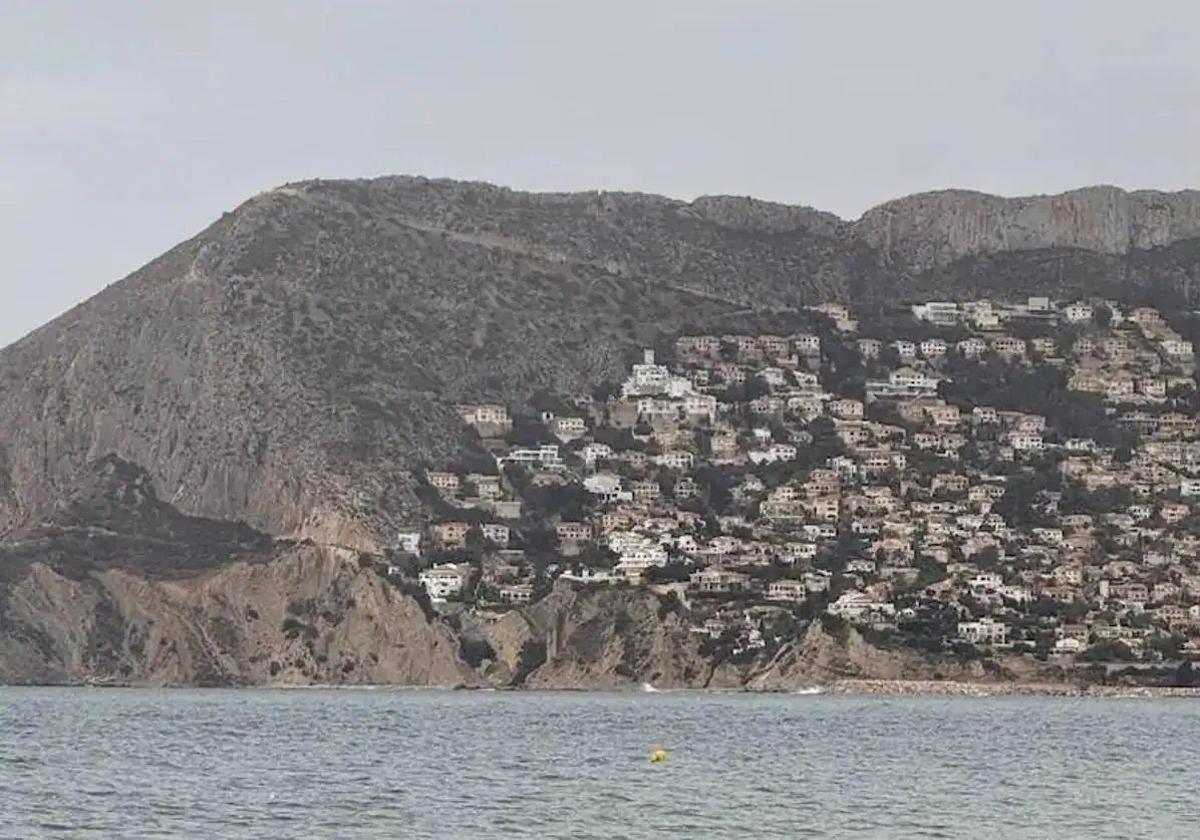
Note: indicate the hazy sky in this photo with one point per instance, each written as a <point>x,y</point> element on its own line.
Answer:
<point>126,127</point>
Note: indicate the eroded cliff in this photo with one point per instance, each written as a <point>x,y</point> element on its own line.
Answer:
<point>313,616</point>
<point>306,616</point>
<point>927,230</point>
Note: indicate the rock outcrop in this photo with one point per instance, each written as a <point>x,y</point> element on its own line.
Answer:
<point>752,214</point>
<point>609,637</point>
<point>933,229</point>
<point>819,657</point>
<point>309,615</point>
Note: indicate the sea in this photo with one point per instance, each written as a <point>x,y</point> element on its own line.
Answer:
<point>387,763</point>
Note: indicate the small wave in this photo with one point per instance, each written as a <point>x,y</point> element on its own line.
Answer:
<point>389,687</point>
<point>649,689</point>
<point>816,689</point>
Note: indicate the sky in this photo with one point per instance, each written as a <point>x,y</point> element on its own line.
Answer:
<point>126,127</point>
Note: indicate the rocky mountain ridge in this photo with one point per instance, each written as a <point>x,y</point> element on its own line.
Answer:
<point>928,230</point>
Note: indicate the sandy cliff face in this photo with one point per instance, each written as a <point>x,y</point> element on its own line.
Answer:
<point>310,615</point>
<point>612,638</point>
<point>932,229</point>
<point>313,616</point>
<point>819,657</point>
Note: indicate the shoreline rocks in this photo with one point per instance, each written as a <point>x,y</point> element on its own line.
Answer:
<point>1002,689</point>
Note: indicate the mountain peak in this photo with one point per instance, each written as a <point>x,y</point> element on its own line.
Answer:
<point>748,213</point>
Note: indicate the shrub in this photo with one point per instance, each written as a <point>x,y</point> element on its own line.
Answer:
<point>531,657</point>
<point>292,627</point>
<point>476,651</point>
<point>668,604</point>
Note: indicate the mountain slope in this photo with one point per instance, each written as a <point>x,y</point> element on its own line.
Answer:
<point>291,364</point>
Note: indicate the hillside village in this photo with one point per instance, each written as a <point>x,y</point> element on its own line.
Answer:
<point>969,477</point>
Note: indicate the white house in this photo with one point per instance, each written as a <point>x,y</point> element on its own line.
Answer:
<point>568,428</point>
<point>647,377</point>
<point>773,453</point>
<point>853,605</point>
<point>409,542</point>
<point>937,312</point>
<point>933,348</point>
<point>786,590</point>
<point>1078,311</point>
<point>1178,348</point>
<point>545,456</point>
<point>446,482</point>
<point>1026,441</point>
<point>487,418</point>
<point>636,558</point>
<point>593,452</point>
<point>495,532</point>
<point>700,405</point>
<point>869,348</point>
<point>807,345</point>
<point>442,581</point>
<point>678,459</point>
<point>903,382</point>
<point>972,347</point>
<point>602,483</point>
<point>985,631</point>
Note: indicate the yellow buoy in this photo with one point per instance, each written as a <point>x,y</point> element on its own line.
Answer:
<point>658,756</point>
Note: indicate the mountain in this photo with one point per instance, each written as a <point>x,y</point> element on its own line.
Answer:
<point>263,393</point>
<point>290,364</point>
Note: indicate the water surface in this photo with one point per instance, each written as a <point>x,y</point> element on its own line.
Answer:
<point>383,763</point>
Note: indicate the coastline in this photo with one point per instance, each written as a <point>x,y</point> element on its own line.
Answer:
<point>1003,689</point>
<point>842,687</point>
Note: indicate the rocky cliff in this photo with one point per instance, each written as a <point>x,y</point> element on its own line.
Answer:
<point>305,616</point>
<point>601,637</point>
<point>253,404</point>
<point>308,615</point>
<point>933,229</point>
<point>119,587</point>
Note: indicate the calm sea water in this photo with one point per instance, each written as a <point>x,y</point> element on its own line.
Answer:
<point>325,763</point>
